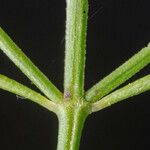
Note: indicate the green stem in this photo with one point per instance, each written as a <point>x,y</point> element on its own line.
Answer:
<point>120,75</point>
<point>76,26</point>
<point>139,86</point>
<point>28,94</point>
<point>28,68</point>
<point>71,121</point>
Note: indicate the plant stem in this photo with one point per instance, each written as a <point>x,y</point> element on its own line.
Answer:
<point>71,120</point>
<point>28,68</point>
<point>76,28</point>
<point>119,76</point>
<point>27,94</point>
<point>139,86</point>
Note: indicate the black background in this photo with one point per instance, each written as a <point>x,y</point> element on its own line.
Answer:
<point>116,30</point>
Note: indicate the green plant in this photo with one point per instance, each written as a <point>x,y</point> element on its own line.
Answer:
<point>75,104</point>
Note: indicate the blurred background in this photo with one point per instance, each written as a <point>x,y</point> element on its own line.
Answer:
<point>117,29</point>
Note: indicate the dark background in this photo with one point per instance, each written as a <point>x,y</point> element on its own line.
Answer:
<point>117,30</point>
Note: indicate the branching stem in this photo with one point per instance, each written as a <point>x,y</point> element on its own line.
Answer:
<point>132,89</point>
<point>119,76</point>
<point>28,68</point>
<point>73,109</point>
<point>21,90</point>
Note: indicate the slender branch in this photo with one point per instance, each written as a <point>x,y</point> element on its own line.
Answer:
<point>28,68</point>
<point>139,86</point>
<point>76,26</point>
<point>119,76</point>
<point>21,90</point>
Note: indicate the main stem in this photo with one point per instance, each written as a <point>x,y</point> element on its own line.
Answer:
<point>71,119</point>
<point>73,111</point>
<point>76,29</point>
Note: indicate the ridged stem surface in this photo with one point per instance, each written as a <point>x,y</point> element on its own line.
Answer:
<point>76,26</point>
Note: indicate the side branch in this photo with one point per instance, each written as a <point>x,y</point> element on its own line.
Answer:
<point>119,76</point>
<point>28,68</point>
<point>21,90</point>
<point>139,86</point>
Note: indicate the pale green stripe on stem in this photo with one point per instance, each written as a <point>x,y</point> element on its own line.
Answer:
<point>139,86</point>
<point>119,76</point>
<point>25,92</point>
<point>28,68</point>
<point>76,28</point>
